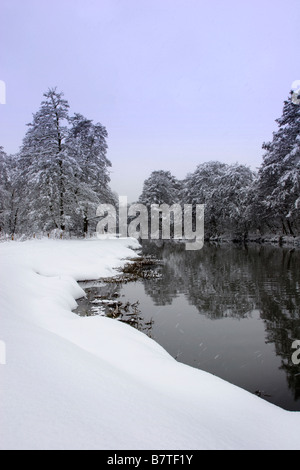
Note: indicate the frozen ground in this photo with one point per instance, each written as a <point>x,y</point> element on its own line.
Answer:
<point>96,383</point>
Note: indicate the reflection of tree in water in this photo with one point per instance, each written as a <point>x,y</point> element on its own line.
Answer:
<point>219,285</point>
<point>165,290</point>
<point>280,308</point>
<point>216,281</point>
<point>229,281</point>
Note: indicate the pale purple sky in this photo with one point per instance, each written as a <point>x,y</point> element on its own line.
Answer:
<point>176,82</point>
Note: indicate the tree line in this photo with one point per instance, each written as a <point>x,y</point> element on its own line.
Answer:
<point>238,200</point>
<point>62,173</point>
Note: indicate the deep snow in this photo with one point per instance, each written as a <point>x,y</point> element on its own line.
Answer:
<point>96,383</point>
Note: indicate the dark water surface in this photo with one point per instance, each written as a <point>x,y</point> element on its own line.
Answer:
<point>231,311</point>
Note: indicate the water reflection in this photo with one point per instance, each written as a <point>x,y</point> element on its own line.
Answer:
<point>232,282</point>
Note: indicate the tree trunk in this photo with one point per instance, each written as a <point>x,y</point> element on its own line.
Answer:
<point>60,163</point>
<point>284,230</point>
<point>15,221</point>
<point>290,228</point>
<point>85,225</point>
<point>61,197</point>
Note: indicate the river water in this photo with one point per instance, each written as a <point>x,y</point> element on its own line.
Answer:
<point>233,311</point>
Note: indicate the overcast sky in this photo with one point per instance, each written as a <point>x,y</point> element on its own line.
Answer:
<point>175,82</point>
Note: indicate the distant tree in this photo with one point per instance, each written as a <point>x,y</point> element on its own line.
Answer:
<point>161,188</point>
<point>3,191</point>
<point>224,189</point>
<point>15,201</point>
<point>279,184</point>
<point>202,187</point>
<point>236,190</point>
<point>9,193</point>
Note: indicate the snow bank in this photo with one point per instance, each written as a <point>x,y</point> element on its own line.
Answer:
<point>95,383</point>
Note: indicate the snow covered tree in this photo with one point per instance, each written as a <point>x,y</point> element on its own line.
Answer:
<point>47,170</point>
<point>224,189</point>
<point>3,191</point>
<point>86,144</point>
<point>15,201</point>
<point>202,187</point>
<point>63,169</point>
<point>9,193</point>
<point>236,191</point>
<point>279,185</point>
<point>160,188</point>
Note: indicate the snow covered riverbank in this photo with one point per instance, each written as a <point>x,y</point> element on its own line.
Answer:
<point>95,383</point>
